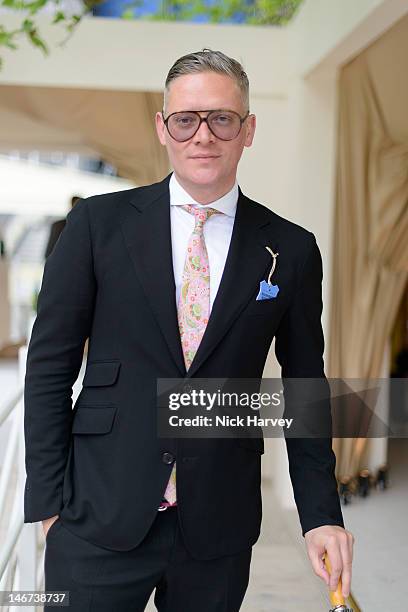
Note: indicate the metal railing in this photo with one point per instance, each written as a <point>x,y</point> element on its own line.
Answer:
<point>20,567</point>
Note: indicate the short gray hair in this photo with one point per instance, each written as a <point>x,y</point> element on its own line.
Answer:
<point>205,61</point>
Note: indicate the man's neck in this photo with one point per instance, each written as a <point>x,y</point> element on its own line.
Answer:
<point>205,194</point>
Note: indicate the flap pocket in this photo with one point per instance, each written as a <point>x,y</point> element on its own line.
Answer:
<point>101,373</point>
<point>254,444</point>
<point>90,420</point>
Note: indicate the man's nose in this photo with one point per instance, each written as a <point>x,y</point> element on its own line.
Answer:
<point>203,133</point>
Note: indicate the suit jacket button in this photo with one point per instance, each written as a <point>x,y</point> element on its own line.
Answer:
<point>168,458</point>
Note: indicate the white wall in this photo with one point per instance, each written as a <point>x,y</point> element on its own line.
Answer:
<point>136,56</point>
<point>263,169</point>
<point>328,33</point>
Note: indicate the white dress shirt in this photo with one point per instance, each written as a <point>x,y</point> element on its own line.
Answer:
<point>217,232</point>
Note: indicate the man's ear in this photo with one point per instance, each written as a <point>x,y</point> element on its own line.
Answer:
<point>250,130</point>
<point>160,128</point>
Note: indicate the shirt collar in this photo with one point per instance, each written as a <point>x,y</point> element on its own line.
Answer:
<point>227,204</point>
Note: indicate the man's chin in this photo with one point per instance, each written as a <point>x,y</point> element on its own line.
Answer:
<point>203,176</point>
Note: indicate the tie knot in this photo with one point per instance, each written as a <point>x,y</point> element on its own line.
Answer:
<point>201,214</point>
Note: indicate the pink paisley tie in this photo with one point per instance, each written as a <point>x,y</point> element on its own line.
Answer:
<point>194,303</point>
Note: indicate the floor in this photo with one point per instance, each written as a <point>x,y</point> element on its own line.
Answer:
<point>379,525</point>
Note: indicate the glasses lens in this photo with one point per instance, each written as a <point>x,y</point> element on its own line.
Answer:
<point>183,125</point>
<point>225,124</point>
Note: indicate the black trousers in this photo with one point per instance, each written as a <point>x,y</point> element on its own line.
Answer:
<point>102,580</point>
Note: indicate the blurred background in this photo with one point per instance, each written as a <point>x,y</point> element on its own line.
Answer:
<point>80,83</point>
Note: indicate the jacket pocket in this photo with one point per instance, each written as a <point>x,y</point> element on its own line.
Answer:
<point>94,419</point>
<point>254,444</point>
<point>271,307</point>
<point>101,373</point>
<point>54,526</point>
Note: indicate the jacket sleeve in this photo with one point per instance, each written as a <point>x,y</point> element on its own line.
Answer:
<point>55,352</point>
<point>299,347</point>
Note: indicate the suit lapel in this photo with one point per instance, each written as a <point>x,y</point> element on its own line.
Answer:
<point>145,222</point>
<point>146,228</point>
<point>246,264</point>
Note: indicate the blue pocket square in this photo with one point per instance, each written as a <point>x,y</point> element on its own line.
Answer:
<point>266,291</point>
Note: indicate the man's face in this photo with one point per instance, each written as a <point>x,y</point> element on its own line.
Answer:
<point>209,91</point>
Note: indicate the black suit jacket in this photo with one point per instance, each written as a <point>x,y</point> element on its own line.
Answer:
<point>102,466</point>
<point>55,232</point>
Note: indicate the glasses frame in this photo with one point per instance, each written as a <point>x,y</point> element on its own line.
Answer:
<point>205,119</point>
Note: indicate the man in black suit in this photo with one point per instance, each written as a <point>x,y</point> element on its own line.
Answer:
<point>120,520</point>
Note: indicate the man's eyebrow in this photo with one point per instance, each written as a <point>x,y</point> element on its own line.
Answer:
<point>204,110</point>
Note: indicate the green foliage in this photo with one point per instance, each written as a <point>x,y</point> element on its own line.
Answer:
<point>29,9</point>
<point>255,12</point>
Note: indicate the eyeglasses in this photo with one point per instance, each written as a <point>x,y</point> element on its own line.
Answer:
<point>224,124</point>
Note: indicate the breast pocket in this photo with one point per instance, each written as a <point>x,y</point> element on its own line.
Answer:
<point>269,307</point>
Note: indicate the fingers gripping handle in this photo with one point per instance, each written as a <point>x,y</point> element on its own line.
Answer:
<point>336,597</point>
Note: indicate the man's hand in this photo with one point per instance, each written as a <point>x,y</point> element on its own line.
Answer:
<point>48,522</point>
<point>338,543</point>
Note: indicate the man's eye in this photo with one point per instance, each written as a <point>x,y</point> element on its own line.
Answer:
<point>222,118</point>
<point>184,120</point>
